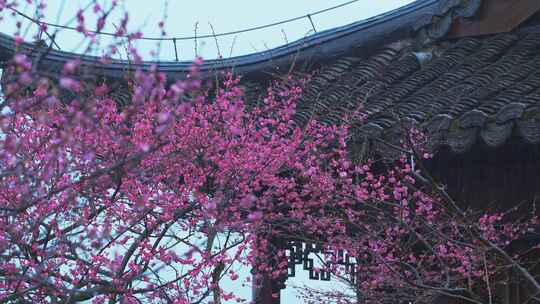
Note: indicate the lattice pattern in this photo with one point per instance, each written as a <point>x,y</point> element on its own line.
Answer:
<point>299,254</point>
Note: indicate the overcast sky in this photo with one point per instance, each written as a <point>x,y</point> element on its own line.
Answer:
<point>226,16</point>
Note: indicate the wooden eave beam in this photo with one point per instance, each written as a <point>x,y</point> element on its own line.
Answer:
<point>495,16</point>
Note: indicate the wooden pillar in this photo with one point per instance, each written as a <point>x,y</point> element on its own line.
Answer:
<point>267,290</point>
<point>264,293</point>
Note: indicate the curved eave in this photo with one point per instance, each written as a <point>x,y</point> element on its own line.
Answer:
<point>385,28</point>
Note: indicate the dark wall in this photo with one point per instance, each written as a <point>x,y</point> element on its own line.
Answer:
<point>493,178</point>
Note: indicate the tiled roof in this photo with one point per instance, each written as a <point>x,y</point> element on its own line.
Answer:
<point>485,88</point>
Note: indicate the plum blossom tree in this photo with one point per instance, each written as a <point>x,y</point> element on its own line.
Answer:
<point>155,200</point>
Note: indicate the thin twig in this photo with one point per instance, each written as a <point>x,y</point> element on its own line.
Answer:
<point>215,39</point>
<point>487,280</point>
<point>195,38</point>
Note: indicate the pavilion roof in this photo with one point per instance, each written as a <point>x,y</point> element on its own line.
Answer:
<point>462,70</point>
<point>458,87</point>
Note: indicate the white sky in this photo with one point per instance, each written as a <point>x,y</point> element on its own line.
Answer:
<point>226,16</point>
